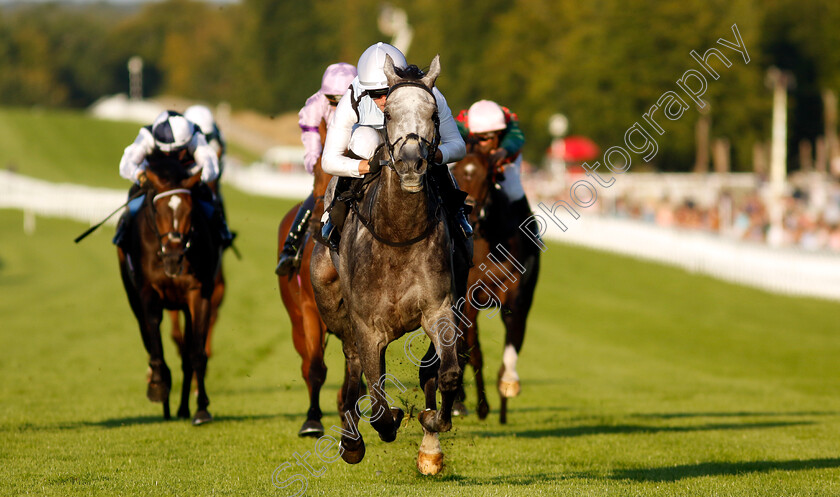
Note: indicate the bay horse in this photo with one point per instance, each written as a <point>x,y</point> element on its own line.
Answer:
<point>308,330</point>
<point>512,281</point>
<point>395,272</point>
<point>172,262</point>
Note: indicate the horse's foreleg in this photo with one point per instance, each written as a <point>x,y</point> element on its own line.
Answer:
<point>196,324</point>
<point>441,329</point>
<point>371,345</point>
<point>352,444</point>
<point>148,310</point>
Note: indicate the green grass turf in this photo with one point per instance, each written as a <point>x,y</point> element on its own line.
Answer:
<point>638,379</point>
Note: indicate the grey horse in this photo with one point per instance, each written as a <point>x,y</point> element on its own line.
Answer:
<point>395,273</point>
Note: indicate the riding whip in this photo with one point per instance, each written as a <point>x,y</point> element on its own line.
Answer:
<point>96,226</point>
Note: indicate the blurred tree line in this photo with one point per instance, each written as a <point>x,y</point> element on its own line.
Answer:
<point>602,63</point>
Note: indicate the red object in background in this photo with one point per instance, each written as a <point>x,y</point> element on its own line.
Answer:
<point>574,149</point>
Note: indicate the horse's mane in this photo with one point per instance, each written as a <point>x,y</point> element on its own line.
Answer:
<point>169,169</point>
<point>410,72</point>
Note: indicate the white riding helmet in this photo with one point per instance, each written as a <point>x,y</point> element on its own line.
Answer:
<point>364,141</point>
<point>485,116</point>
<point>372,65</point>
<point>172,131</point>
<point>201,117</point>
<point>337,78</point>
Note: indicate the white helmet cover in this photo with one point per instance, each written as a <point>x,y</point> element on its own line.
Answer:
<point>172,131</point>
<point>364,141</point>
<point>201,117</point>
<point>372,65</point>
<point>485,116</point>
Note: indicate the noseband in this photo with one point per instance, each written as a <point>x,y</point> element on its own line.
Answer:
<point>432,146</point>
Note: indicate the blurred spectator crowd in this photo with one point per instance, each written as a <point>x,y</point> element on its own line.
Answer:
<point>736,206</point>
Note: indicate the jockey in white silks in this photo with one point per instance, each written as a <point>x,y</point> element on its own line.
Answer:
<point>362,106</point>
<point>319,107</point>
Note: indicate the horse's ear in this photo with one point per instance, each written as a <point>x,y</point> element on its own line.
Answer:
<point>154,180</point>
<point>434,72</point>
<point>191,181</point>
<point>390,75</point>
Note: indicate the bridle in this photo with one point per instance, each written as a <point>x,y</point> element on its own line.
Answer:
<point>175,236</point>
<point>432,146</point>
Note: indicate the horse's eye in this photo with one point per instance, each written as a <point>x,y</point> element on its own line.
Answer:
<point>387,114</point>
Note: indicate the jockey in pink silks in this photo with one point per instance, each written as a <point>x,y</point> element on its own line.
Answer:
<point>319,107</point>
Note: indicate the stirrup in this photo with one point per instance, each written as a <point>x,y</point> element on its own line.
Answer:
<point>331,234</point>
<point>289,260</point>
<point>463,223</point>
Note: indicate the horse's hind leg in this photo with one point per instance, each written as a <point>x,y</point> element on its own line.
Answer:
<point>477,363</point>
<point>508,382</point>
<point>310,336</point>
<point>430,455</point>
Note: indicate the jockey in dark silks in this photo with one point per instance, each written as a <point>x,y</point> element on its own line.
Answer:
<point>174,136</point>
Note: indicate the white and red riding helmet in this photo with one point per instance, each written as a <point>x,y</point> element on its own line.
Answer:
<point>486,116</point>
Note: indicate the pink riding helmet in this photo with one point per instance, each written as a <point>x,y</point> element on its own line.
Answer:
<point>337,78</point>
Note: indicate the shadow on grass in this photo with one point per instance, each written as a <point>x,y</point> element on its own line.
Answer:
<point>735,414</point>
<point>579,431</point>
<point>154,419</point>
<point>529,479</point>
<point>674,473</point>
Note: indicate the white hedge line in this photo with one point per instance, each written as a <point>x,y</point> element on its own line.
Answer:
<point>778,270</point>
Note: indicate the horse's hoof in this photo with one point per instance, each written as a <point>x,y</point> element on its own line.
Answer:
<point>429,420</point>
<point>311,428</point>
<point>483,410</point>
<point>459,409</point>
<point>429,464</point>
<point>352,455</point>
<point>157,391</point>
<point>509,389</point>
<point>184,412</point>
<point>397,414</point>
<point>202,417</point>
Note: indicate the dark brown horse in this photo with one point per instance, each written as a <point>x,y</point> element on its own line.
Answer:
<point>308,330</point>
<point>395,274</point>
<point>172,262</point>
<point>505,264</point>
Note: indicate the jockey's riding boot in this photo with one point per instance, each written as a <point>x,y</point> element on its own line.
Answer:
<point>218,223</point>
<point>453,198</point>
<point>290,255</point>
<point>122,230</point>
<point>331,234</point>
<point>331,230</point>
<point>125,220</point>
